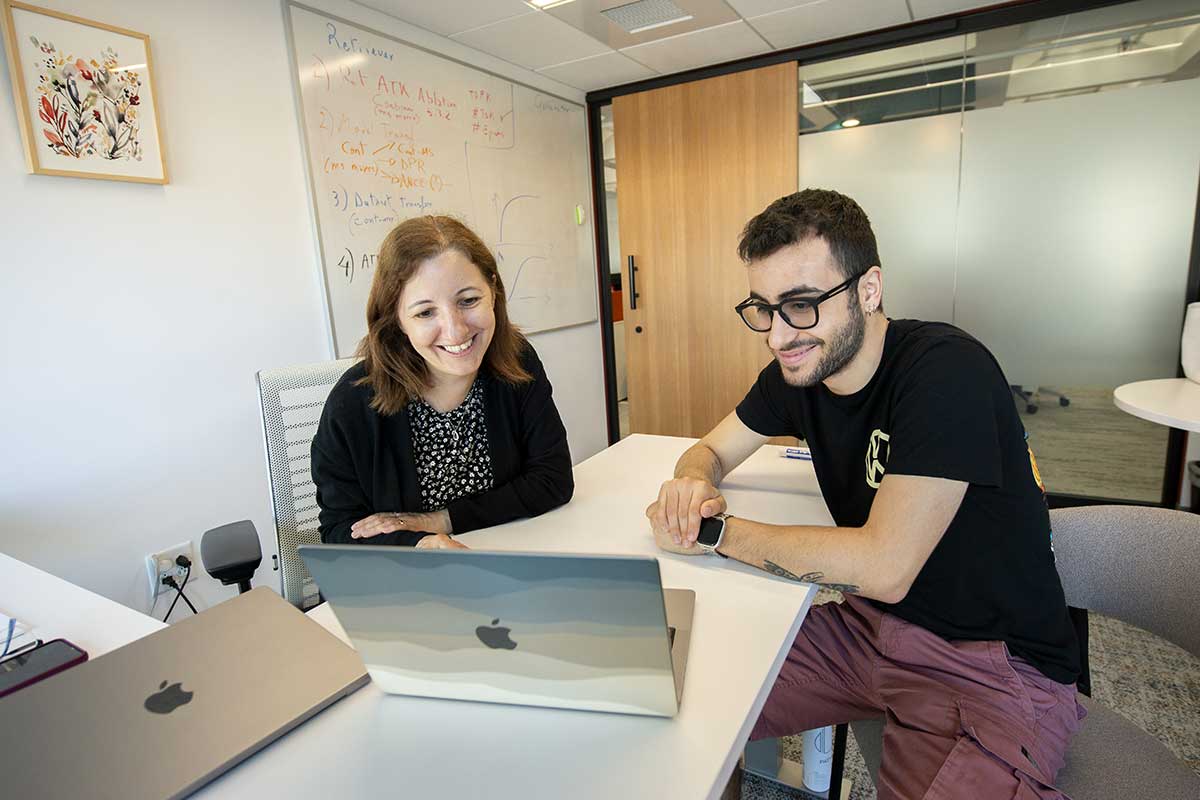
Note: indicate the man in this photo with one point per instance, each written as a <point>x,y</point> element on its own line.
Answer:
<point>954,626</point>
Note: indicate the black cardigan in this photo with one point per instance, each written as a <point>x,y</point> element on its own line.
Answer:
<point>362,461</point>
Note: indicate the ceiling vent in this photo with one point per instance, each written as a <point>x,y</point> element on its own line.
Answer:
<point>646,14</point>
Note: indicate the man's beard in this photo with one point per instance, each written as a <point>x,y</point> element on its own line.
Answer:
<point>842,346</point>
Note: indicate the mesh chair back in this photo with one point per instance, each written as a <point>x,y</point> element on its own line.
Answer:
<point>1134,563</point>
<point>292,399</point>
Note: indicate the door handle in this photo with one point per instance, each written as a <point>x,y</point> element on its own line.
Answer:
<point>633,293</point>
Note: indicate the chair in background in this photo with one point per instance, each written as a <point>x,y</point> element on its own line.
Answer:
<point>291,399</point>
<point>1136,564</point>
<point>1030,397</point>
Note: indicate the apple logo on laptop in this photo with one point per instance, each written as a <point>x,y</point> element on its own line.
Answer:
<point>168,699</point>
<point>496,637</point>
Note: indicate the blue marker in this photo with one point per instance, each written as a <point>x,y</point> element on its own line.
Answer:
<point>800,453</point>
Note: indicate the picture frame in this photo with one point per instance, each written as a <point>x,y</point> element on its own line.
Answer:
<point>85,94</point>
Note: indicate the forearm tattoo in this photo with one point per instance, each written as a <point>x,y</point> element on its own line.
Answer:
<point>809,577</point>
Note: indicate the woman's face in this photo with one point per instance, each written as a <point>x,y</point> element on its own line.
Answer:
<point>447,312</point>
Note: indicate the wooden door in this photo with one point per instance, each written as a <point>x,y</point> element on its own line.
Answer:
<point>694,163</point>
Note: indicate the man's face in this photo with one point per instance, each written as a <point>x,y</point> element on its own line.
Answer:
<point>803,271</point>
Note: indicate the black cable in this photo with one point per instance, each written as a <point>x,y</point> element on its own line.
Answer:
<point>184,596</point>
<point>170,581</point>
<point>186,563</point>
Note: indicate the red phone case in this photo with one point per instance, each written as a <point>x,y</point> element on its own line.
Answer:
<point>78,659</point>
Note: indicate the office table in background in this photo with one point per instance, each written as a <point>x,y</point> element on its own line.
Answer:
<point>1174,402</point>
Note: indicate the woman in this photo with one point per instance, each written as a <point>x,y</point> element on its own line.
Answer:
<point>447,423</point>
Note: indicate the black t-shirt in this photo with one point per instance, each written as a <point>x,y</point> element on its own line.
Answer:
<point>939,406</point>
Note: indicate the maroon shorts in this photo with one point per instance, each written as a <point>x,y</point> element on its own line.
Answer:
<point>962,719</point>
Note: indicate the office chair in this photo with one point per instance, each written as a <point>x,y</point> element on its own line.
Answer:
<point>1029,397</point>
<point>1135,564</point>
<point>231,553</point>
<point>291,399</point>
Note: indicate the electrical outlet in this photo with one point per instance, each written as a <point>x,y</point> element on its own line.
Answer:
<point>160,565</point>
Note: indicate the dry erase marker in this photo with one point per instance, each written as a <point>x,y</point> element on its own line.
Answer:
<point>801,453</point>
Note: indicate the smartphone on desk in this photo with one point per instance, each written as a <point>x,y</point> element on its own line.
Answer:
<point>33,665</point>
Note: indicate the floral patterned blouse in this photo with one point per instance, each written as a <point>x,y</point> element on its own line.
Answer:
<point>451,450</point>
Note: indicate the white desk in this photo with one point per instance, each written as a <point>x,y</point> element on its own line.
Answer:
<point>1174,402</point>
<point>371,744</point>
<point>58,609</point>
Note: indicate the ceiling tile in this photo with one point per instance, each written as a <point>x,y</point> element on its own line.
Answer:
<point>534,40</point>
<point>700,48</point>
<point>451,16</point>
<point>924,9</point>
<point>830,19</point>
<point>598,72</point>
<point>756,8</point>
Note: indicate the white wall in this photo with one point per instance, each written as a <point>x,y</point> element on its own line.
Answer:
<point>136,316</point>
<point>614,233</point>
<point>1075,230</point>
<point>1068,251</point>
<point>904,174</point>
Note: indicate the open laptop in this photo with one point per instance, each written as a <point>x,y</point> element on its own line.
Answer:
<point>167,713</point>
<point>567,631</point>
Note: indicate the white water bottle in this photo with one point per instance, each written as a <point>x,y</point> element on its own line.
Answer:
<point>817,752</point>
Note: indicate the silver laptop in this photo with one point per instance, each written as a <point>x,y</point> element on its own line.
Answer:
<point>569,631</point>
<point>167,713</point>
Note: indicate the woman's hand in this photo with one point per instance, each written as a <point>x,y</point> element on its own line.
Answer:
<point>392,521</point>
<point>440,541</point>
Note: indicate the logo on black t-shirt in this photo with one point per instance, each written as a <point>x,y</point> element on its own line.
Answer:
<point>877,455</point>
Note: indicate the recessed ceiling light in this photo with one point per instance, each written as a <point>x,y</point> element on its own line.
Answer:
<point>645,15</point>
<point>547,3</point>
<point>850,123</point>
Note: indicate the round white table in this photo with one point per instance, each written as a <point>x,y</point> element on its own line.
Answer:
<point>1168,401</point>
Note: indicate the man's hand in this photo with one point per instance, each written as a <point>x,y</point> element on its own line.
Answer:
<point>440,541</point>
<point>675,516</point>
<point>665,542</point>
<point>392,521</point>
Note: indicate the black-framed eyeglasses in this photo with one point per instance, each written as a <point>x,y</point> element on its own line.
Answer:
<point>800,313</point>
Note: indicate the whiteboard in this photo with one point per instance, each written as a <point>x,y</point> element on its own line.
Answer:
<point>392,131</point>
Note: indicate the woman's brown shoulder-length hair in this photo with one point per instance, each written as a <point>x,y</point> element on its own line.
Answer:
<point>395,371</point>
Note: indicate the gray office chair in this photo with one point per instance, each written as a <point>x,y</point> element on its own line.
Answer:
<point>292,399</point>
<point>1029,397</point>
<point>1137,564</point>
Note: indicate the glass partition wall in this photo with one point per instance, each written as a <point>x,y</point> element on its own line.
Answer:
<point>1035,185</point>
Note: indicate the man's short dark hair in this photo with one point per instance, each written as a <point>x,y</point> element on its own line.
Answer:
<point>798,217</point>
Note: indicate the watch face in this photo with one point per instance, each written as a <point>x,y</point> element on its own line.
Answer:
<point>710,531</point>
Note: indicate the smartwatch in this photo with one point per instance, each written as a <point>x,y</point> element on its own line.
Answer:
<point>712,532</point>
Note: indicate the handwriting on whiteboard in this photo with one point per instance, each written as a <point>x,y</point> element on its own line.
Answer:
<point>392,131</point>
<point>352,45</point>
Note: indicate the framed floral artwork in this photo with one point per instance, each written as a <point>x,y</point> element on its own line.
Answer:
<point>85,96</point>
